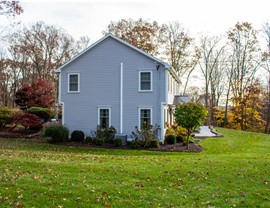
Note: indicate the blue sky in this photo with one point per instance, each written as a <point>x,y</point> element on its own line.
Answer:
<point>90,18</point>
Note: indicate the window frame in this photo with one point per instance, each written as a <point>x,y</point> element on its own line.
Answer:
<point>104,108</point>
<point>139,116</point>
<point>73,91</point>
<point>151,80</point>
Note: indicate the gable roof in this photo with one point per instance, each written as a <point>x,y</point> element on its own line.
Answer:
<point>109,35</point>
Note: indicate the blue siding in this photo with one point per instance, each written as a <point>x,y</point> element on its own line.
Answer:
<point>99,71</point>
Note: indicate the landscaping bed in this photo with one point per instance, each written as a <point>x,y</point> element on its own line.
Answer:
<point>178,147</point>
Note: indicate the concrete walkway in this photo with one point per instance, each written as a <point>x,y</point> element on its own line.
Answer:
<point>205,131</point>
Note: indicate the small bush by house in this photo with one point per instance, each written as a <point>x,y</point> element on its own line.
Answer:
<point>77,136</point>
<point>56,133</point>
<point>171,139</point>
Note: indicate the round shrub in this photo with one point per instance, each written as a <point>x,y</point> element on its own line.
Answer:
<point>77,136</point>
<point>154,143</point>
<point>57,133</point>
<point>6,115</point>
<point>171,139</point>
<point>43,113</point>
<point>118,142</point>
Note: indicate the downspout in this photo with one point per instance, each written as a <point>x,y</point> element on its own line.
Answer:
<point>121,98</point>
<point>162,105</point>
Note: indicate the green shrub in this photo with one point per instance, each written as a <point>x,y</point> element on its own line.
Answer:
<point>43,113</point>
<point>191,140</point>
<point>99,141</point>
<point>106,133</point>
<point>118,142</point>
<point>77,136</point>
<point>135,143</point>
<point>171,139</point>
<point>6,115</point>
<point>89,139</point>
<point>57,133</point>
<point>154,143</point>
<point>145,135</point>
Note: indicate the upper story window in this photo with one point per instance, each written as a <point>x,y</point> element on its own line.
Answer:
<point>73,82</point>
<point>145,80</point>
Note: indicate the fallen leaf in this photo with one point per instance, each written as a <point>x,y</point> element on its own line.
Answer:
<point>20,196</point>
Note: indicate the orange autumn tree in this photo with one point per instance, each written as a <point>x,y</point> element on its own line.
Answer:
<point>247,111</point>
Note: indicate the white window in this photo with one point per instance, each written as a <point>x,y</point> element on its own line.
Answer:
<point>74,82</point>
<point>104,117</point>
<point>145,80</point>
<point>145,117</point>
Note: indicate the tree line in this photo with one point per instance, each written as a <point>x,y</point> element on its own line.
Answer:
<point>229,66</point>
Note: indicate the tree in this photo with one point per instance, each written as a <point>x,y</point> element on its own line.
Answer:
<point>246,58</point>
<point>210,62</point>
<point>39,94</point>
<point>247,114</point>
<point>190,115</point>
<point>46,46</point>
<point>143,34</point>
<point>10,8</point>
<point>266,66</point>
<point>179,51</point>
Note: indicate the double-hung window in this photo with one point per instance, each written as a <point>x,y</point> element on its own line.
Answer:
<point>73,82</point>
<point>145,118</point>
<point>104,117</point>
<point>145,80</point>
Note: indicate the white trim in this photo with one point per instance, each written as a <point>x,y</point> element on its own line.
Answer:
<point>139,115</point>
<point>151,80</point>
<point>73,73</point>
<point>121,98</point>
<point>166,85</point>
<point>119,40</point>
<point>59,87</point>
<point>162,123</point>
<point>105,108</point>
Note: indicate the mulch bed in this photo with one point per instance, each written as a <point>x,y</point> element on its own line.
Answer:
<point>22,134</point>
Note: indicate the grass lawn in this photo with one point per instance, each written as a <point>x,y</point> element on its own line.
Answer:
<point>233,171</point>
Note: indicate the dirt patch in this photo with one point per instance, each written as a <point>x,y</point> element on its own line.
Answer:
<point>178,147</point>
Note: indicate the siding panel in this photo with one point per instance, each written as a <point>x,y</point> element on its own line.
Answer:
<point>99,71</point>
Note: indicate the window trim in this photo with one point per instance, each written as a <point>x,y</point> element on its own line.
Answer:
<point>110,116</point>
<point>69,74</point>
<point>151,80</point>
<point>139,115</point>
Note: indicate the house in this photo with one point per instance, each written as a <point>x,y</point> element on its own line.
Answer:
<point>113,83</point>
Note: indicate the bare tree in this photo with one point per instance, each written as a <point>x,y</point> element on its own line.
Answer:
<point>266,66</point>
<point>180,50</point>
<point>210,63</point>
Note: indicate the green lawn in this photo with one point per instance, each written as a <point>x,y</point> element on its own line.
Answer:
<point>234,171</point>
